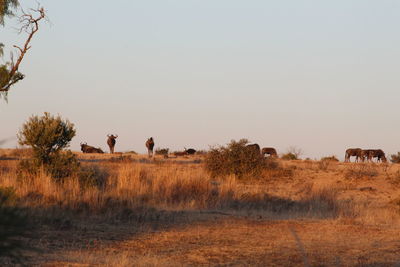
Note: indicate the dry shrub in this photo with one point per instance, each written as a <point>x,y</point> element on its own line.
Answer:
<point>330,158</point>
<point>289,156</point>
<point>358,171</point>
<point>395,158</point>
<point>235,158</point>
<point>162,151</point>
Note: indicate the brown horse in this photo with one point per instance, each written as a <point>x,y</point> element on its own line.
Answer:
<point>353,152</point>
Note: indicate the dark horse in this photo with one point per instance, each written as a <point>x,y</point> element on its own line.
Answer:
<point>111,142</point>
<point>89,149</point>
<point>150,146</point>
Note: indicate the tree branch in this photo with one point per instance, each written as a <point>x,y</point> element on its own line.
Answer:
<point>30,25</point>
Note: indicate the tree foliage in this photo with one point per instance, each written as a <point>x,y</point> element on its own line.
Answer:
<point>47,135</point>
<point>6,8</point>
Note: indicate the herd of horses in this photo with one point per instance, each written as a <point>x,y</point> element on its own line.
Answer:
<point>365,155</point>
<point>360,154</point>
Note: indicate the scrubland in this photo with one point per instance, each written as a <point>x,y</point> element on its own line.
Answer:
<point>171,212</point>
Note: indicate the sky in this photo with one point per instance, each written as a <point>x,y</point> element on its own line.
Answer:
<point>321,76</point>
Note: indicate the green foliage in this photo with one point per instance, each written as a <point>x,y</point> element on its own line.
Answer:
<point>236,159</point>
<point>5,78</point>
<point>395,158</point>
<point>47,135</point>
<point>63,165</point>
<point>60,165</point>
<point>6,8</point>
<point>13,224</point>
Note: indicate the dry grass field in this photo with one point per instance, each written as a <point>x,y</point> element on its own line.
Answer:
<point>170,212</point>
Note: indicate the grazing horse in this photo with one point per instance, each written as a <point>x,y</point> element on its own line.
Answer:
<point>377,153</point>
<point>366,155</point>
<point>90,149</point>
<point>353,152</point>
<point>269,151</point>
<point>111,142</point>
<point>150,146</point>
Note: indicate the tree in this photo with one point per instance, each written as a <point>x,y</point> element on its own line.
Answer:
<point>47,135</point>
<point>29,24</point>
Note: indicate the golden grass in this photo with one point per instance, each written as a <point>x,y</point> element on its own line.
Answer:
<point>172,213</point>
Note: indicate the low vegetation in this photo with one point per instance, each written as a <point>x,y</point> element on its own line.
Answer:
<point>235,159</point>
<point>162,151</point>
<point>395,158</point>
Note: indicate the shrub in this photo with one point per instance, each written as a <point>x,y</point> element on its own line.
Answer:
<point>293,153</point>
<point>236,159</point>
<point>289,156</point>
<point>60,165</point>
<point>395,158</point>
<point>47,135</point>
<point>162,151</point>
<point>330,158</point>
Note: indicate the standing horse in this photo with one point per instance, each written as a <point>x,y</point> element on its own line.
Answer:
<point>150,146</point>
<point>111,142</point>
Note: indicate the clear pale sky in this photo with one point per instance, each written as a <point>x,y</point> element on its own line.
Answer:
<point>318,75</point>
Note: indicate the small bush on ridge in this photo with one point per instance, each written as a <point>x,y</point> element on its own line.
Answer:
<point>395,158</point>
<point>162,151</point>
<point>236,159</point>
<point>289,156</point>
